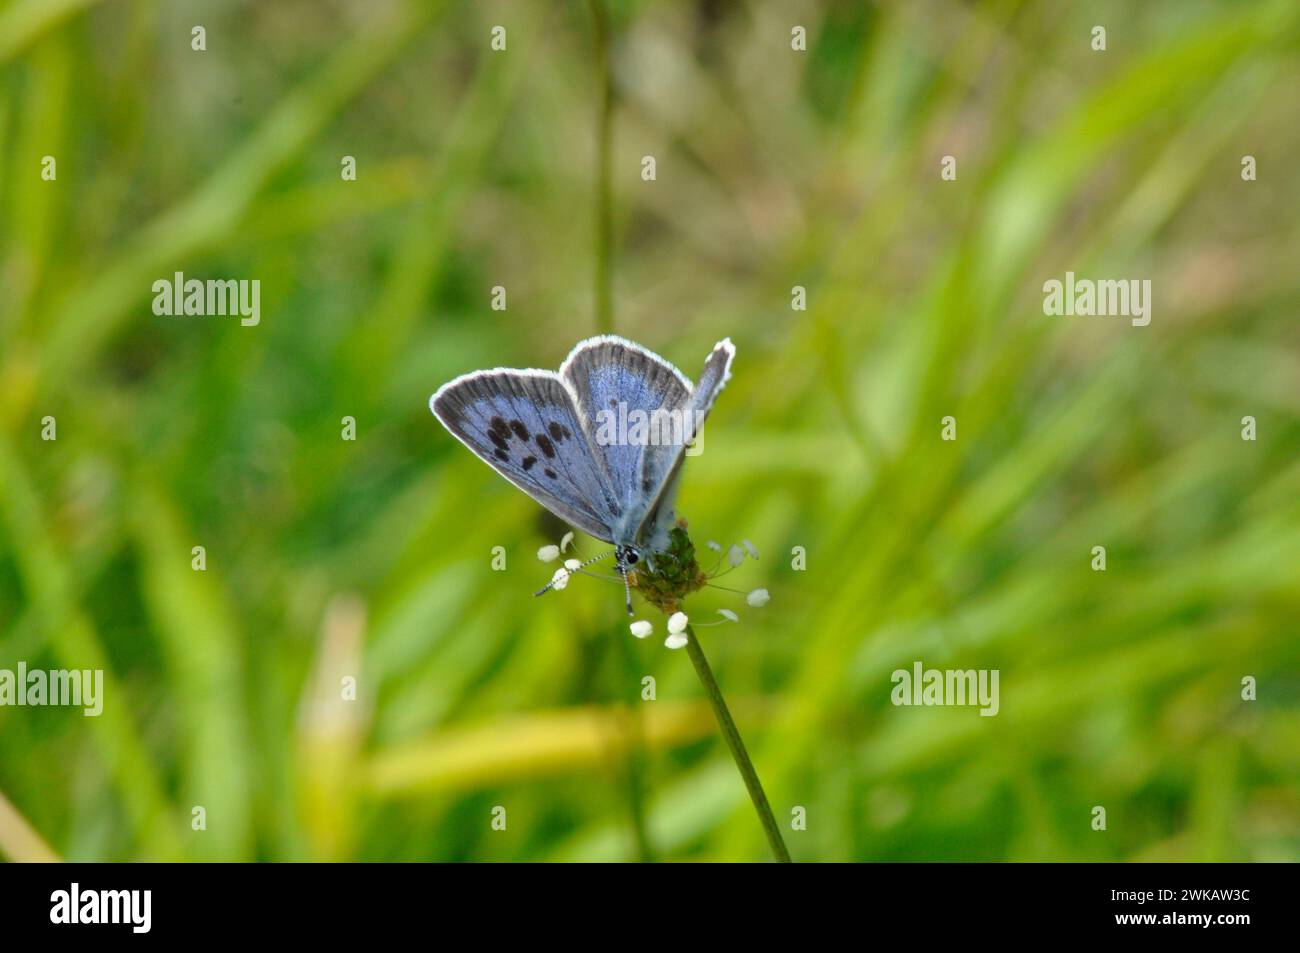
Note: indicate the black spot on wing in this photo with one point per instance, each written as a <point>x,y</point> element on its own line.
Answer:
<point>489,411</point>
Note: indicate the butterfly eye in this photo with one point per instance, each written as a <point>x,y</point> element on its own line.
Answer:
<point>632,557</point>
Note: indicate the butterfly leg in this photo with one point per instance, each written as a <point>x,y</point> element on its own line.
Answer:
<point>627,588</point>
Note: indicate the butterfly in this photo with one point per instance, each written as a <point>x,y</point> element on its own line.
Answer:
<point>600,443</point>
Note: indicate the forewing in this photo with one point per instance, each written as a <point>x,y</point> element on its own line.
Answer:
<point>527,426</point>
<point>617,384</point>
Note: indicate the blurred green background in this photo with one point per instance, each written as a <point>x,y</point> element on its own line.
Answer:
<point>775,168</point>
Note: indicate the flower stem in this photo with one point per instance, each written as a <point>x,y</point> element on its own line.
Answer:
<point>737,746</point>
<point>634,767</point>
<point>604,198</point>
<point>635,756</point>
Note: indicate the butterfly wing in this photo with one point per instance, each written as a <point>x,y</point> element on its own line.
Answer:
<point>659,515</point>
<point>714,377</point>
<point>617,382</point>
<point>527,426</point>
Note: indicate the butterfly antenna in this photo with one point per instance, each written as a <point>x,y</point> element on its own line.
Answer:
<point>551,585</point>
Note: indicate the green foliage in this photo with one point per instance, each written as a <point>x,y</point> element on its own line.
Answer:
<point>371,559</point>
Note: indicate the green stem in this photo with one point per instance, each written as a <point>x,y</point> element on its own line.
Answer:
<point>634,767</point>
<point>604,198</point>
<point>634,752</point>
<point>737,746</point>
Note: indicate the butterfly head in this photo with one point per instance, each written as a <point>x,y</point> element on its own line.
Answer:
<point>626,558</point>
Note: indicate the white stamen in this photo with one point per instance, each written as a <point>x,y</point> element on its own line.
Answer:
<point>677,622</point>
<point>749,548</point>
<point>729,615</point>
<point>572,564</point>
<point>560,579</point>
<point>716,547</point>
<point>548,554</point>
<point>641,628</point>
<point>758,598</point>
<point>565,540</point>
<point>735,556</point>
<point>676,640</point>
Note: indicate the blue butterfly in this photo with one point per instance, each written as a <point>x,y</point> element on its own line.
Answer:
<point>600,444</point>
